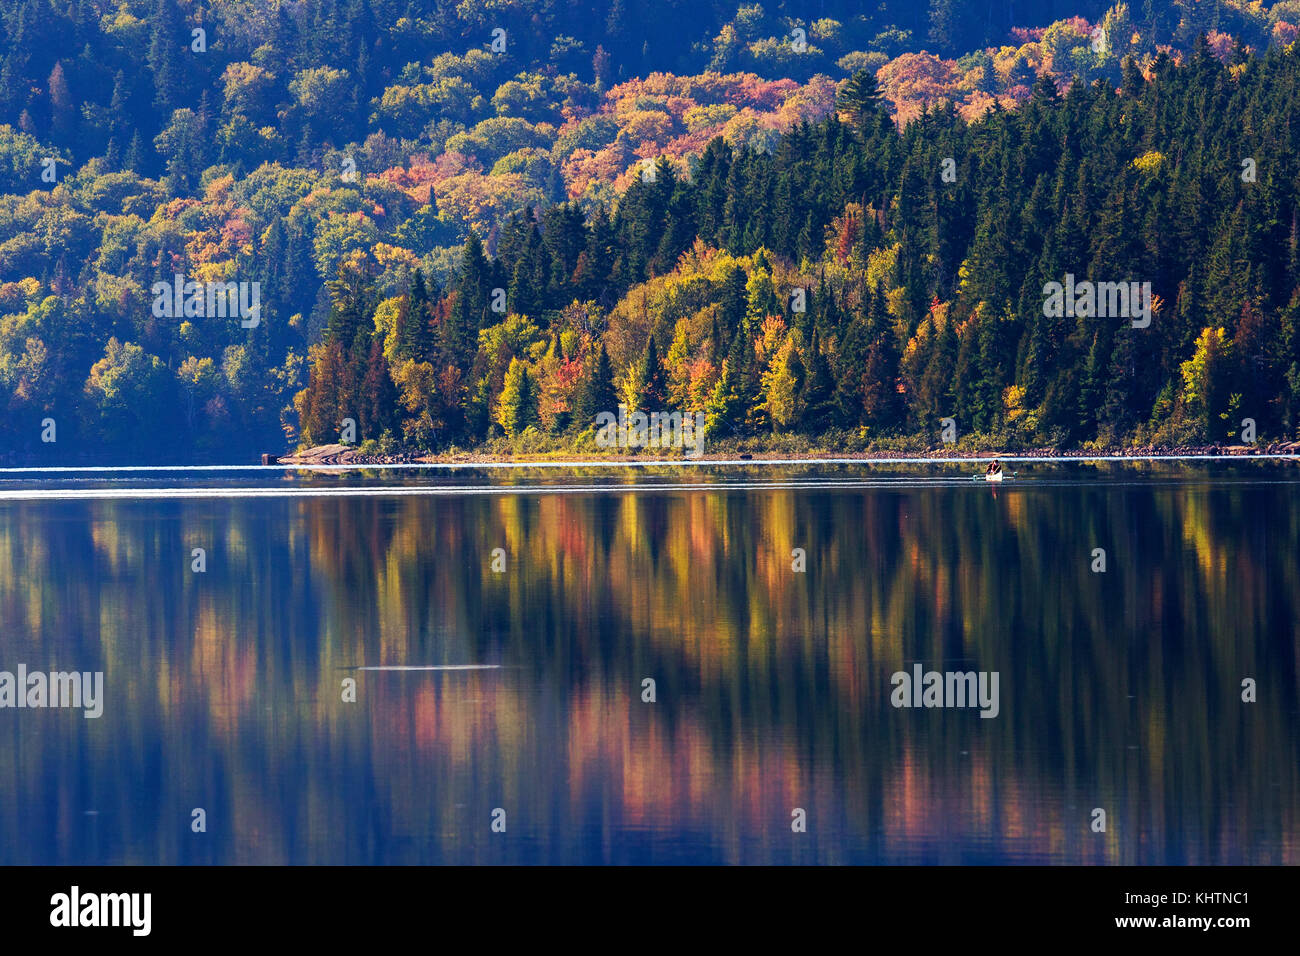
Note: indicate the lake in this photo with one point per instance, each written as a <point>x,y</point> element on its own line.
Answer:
<point>771,608</point>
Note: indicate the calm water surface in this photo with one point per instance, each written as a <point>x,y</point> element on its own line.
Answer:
<point>1118,690</point>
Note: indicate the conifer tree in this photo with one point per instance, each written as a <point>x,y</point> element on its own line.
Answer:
<point>460,332</point>
<point>598,392</point>
<point>651,381</point>
<point>860,98</point>
<point>168,40</point>
<point>819,388</point>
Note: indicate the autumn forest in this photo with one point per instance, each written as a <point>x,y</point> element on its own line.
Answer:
<point>477,226</point>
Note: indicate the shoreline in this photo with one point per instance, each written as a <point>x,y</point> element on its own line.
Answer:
<point>342,455</point>
<point>341,458</point>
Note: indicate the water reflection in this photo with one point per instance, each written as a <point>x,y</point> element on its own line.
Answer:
<point>1118,690</point>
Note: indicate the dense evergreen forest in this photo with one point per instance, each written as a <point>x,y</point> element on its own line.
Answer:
<point>482,224</point>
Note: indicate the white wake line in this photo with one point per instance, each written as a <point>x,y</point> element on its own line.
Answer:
<point>428,667</point>
<point>394,491</point>
<point>606,463</point>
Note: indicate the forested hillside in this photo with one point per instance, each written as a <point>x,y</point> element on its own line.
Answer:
<point>924,299</point>
<point>478,223</point>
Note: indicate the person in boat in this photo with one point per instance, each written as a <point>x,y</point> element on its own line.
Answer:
<point>994,468</point>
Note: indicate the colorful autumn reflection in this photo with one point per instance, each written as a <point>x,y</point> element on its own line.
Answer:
<point>1119,690</point>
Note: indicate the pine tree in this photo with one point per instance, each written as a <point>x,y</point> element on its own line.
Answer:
<point>881,404</point>
<point>819,388</point>
<point>651,381</point>
<point>352,309</point>
<point>167,42</point>
<point>135,156</point>
<point>742,377</point>
<point>459,334</point>
<point>415,337</point>
<point>733,299</point>
<point>598,392</point>
<point>860,98</point>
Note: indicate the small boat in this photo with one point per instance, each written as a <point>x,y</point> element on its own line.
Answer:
<point>995,476</point>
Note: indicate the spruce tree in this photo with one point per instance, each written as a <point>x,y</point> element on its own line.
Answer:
<point>415,337</point>
<point>653,393</point>
<point>818,389</point>
<point>598,392</point>
<point>459,334</point>
<point>168,40</point>
<point>860,98</point>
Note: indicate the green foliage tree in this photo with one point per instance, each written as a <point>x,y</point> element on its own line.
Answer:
<point>517,406</point>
